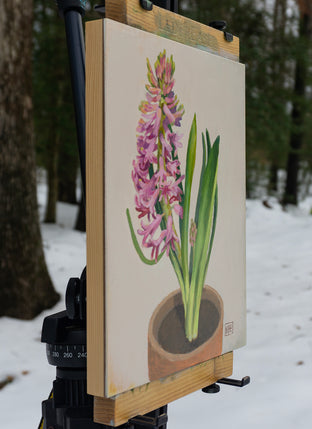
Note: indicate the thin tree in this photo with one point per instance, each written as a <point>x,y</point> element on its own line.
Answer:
<point>53,111</point>
<point>277,138</point>
<point>299,103</point>
<point>25,286</point>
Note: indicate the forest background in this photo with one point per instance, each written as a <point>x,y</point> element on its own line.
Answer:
<point>37,129</point>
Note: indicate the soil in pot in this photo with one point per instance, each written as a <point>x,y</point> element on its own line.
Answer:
<point>171,335</point>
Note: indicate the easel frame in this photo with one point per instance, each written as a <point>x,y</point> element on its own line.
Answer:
<point>119,409</point>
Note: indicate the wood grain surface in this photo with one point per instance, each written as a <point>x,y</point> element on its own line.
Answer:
<point>141,400</point>
<point>172,26</point>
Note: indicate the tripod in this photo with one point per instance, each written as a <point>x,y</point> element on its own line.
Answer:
<point>69,406</point>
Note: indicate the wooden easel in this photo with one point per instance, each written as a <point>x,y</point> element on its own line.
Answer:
<point>117,410</point>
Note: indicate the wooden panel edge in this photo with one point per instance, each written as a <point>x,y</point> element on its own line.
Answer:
<point>173,26</point>
<point>95,206</point>
<point>118,410</point>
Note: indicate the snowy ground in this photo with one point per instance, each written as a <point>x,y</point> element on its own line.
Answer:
<point>278,356</point>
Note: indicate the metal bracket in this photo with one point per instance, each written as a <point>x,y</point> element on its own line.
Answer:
<point>214,388</point>
<point>237,383</point>
<point>228,36</point>
<point>221,26</point>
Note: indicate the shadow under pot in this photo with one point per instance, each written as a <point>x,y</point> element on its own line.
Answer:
<point>169,350</point>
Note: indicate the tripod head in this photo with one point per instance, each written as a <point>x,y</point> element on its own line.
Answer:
<point>65,333</point>
<point>65,336</point>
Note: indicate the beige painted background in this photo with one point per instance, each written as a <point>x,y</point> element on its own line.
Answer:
<point>214,88</point>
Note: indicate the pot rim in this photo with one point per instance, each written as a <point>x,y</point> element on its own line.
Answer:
<point>183,356</point>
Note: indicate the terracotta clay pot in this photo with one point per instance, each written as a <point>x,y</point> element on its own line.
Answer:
<point>168,349</point>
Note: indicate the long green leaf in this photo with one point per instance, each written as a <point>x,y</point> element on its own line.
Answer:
<point>214,222</point>
<point>205,220</point>
<point>204,162</point>
<point>209,185</point>
<point>137,246</point>
<point>202,276</point>
<point>208,143</point>
<point>189,171</point>
<point>206,206</point>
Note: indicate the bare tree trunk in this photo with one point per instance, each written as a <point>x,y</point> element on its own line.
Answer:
<point>25,285</point>
<point>298,110</point>
<point>81,218</point>
<point>67,172</point>
<point>52,167</point>
<point>67,190</point>
<point>273,177</point>
<point>278,78</point>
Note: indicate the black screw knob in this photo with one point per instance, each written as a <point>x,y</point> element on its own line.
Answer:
<point>218,25</point>
<point>72,292</point>
<point>213,388</point>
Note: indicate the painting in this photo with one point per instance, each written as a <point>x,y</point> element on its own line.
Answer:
<point>174,216</point>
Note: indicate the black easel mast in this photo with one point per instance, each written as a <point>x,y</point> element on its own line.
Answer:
<point>72,11</point>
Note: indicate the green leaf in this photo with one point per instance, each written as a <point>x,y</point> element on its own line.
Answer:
<point>137,246</point>
<point>205,224</point>
<point>214,222</point>
<point>184,224</point>
<point>202,274</point>
<point>205,215</point>
<point>205,203</point>
<point>204,161</point>
<point>208,143</point>
<point>204,164</point>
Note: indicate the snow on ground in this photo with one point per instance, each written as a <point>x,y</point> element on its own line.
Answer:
<point>22,355</point>
<point>279,350</point>
<point>278,355</point>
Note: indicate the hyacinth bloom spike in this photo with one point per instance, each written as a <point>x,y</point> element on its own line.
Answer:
<point>161,197</point>
<point>156,144</point>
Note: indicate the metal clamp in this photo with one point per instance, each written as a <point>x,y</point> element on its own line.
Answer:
<point>221,26</point>
<point>215,388</point>
<point>236,383</point>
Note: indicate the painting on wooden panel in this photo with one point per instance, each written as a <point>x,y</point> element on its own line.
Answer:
<point>174,289</point>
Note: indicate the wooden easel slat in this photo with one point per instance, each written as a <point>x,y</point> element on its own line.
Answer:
<point>118,410</point>
<point>172,26</point>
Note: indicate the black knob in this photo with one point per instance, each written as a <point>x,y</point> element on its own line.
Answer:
<point>218,25</point>
<point>213,388</point>
<point>72,298</point>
